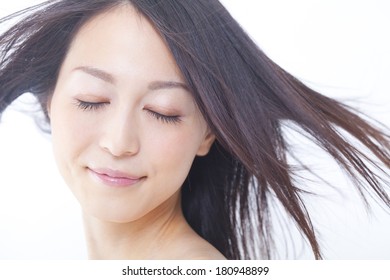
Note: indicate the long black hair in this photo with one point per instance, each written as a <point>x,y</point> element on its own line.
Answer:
<point>246,99</point>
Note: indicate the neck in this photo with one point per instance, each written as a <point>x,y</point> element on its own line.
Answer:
<point>144,238</point>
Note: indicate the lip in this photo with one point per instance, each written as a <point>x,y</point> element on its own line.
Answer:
<point>114,178</point>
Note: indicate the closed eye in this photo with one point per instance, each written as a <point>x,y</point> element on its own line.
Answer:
<point>164,118</point>
<point>90,106</point>
<point>93,106</point>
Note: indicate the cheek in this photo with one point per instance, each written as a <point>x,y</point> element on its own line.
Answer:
<point>171,155</point>
<point>70,127</point>
<point>70,136</point>
<point>66,132</point>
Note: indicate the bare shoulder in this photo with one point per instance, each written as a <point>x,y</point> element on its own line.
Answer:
<point>192,247</point>
<point>185,244</point>
<point>205,252</point>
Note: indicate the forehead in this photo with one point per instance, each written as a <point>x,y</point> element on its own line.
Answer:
<point>121,40</point>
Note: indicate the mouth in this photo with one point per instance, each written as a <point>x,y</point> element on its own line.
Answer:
<point>114,178</point>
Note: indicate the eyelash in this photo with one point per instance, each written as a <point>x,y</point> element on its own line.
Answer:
<point>93,106</point>
<point>90,106</point>
<point>164,118</point>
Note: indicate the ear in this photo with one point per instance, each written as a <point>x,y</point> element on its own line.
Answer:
<point>205,146</point>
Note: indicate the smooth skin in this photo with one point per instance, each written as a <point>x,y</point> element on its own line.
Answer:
<point>121,105</point>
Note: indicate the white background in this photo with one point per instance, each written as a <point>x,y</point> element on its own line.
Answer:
<point>340,48</point>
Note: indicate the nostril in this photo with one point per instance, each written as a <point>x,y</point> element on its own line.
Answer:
<point>119,147</point>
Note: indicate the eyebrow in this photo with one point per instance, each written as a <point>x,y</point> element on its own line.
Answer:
<point>156,85</point>
<point>107,77</point>
<point>97,73</point>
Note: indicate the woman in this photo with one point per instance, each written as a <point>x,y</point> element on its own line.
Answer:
<point>167,126</point>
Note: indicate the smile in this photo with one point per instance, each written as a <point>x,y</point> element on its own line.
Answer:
<point>114,178</point>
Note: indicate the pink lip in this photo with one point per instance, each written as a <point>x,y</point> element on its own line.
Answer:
<point>114,178</point>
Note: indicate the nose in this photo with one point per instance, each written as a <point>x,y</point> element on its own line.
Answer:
<point>119,135</point>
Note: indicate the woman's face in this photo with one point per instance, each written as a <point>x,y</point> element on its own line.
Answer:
<point>125,129</point>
